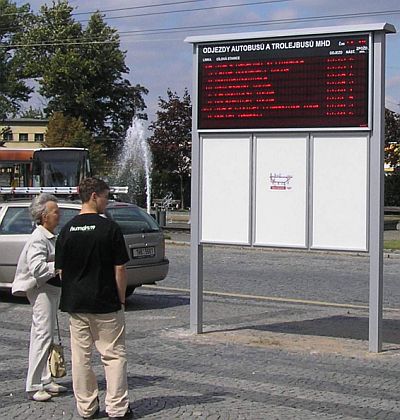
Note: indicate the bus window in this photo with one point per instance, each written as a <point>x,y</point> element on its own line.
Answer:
<point>16,168</point>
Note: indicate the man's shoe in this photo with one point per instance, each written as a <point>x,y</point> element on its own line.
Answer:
<point>40,396</point>
<point>127,415</point>
<point>55,388</point>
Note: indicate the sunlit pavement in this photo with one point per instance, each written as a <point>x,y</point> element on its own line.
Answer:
<point>257,360</point>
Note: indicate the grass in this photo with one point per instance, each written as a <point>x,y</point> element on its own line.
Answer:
<point>393,244</point>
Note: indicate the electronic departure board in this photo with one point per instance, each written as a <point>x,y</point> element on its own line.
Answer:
<point>308,82</point>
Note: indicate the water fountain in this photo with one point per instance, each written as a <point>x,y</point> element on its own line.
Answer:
<point>135,161</point>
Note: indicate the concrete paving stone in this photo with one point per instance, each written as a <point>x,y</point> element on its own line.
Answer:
<point>254,397</point>
<point>213,416</point>
<point>274,378</point>
<point>175,375</point>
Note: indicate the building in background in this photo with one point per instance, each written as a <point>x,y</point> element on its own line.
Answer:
<point>23,133</point>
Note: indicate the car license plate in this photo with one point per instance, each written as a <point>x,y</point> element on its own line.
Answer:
<point>149,251</point>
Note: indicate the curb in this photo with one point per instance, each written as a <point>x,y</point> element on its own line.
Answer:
<point>387,254</point>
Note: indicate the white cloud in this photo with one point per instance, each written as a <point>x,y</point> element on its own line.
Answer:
<point>285,13</point>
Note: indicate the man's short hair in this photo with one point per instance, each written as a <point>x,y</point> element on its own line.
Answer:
<point>90,185</point>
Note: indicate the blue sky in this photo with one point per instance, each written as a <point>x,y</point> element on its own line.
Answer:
<point>162,61</point>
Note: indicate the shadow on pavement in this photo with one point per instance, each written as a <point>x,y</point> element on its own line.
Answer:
<point>6,296</point>
<point>136,302</point>
<point>147,406</point>
<point>338,326</point>
<point>146,302</point>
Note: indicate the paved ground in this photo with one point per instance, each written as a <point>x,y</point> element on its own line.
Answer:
<point>257,360</point>
<point>392,235</point>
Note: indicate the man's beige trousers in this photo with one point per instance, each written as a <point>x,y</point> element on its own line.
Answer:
<point>107,333</point>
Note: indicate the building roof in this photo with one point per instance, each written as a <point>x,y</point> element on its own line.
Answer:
<point>24,121</point>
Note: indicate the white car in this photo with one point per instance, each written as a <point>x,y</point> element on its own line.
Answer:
<point>144,239</point>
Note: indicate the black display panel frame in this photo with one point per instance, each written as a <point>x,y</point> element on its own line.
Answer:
<point>306,82</point>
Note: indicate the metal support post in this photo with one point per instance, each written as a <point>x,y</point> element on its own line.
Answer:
<point>196,288</point>
<point>376,196</point>
<point>196,249</point>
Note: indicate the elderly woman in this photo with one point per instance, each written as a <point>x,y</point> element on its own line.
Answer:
<point>36,278</point>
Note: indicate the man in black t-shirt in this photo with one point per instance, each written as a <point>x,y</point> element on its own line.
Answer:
<point>90,256</point>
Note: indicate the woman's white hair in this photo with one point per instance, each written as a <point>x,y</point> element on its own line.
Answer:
<point>38,206</point>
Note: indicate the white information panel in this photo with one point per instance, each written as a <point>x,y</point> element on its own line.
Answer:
<point>225,189</point>
<point>281,191</point>
<point>340,192</point>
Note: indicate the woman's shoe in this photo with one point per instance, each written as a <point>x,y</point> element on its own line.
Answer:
<point>55,388</point>
<point>40,396</point>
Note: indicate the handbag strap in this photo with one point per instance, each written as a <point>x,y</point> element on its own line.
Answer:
<point>58,329</point>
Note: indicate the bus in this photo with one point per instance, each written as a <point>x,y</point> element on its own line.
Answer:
<point>60,167</point>
<point>45,167</point>
<point>15,167</point>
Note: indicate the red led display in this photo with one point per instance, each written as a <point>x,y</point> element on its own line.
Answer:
<point>317,82</point>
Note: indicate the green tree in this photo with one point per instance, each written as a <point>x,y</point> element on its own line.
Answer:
<point>67,131</point>
<point>170,145</point>
<point>3,131</point>
<point>80,71</point>
<point>31,112</point>
<point>392,138</point>
<point>13,89</point>
<point>117,100</point>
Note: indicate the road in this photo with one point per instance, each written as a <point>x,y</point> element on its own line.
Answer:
<point>328,277</point>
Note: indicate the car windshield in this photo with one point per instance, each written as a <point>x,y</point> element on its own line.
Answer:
<point>132,220</point>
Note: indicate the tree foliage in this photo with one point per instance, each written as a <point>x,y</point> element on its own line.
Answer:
<point>171,146</point>
<point>80,70</point>
<point>31,112</point>
<point>13,89</point>
<point>392,138</point>
<point>67,131</point>
<point>392,157</point>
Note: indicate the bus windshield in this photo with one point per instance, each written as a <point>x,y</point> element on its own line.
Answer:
<point>60,168</point>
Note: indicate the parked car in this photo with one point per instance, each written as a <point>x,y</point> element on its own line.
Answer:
<point>144,239</point>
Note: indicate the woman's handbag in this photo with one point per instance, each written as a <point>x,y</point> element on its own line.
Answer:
<point>56,357</point>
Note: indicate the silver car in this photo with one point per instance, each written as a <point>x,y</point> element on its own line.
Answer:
<point>143,238</point>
